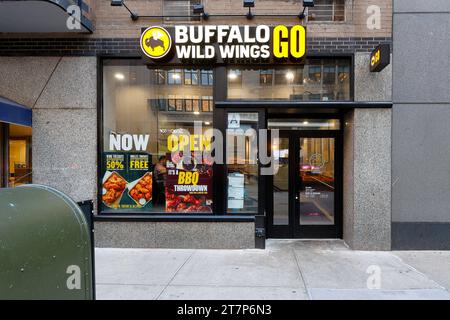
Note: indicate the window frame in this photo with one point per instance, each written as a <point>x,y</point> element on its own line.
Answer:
<point>221,104</point>
<point>333,10</point>
<point>171,17</point>
<point>156,215</point>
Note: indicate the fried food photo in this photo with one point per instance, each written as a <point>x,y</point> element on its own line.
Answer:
<point>114,186</point>
<point>142,191</point>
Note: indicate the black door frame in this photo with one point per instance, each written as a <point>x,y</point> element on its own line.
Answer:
<point>294,229</point>
<point>265,185</point>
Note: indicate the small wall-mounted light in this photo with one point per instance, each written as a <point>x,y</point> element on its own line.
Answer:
<point>249,4</point>
<point>120,3</point>
<point>306,4</point>
<point>200,9</point>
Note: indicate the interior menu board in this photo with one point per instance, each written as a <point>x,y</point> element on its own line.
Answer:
<point>188,188</point>
<point>127,181</point>
<point>236,191</point>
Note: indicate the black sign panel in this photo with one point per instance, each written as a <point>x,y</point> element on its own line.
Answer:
<point>380,58</point>
<point>223,44</point>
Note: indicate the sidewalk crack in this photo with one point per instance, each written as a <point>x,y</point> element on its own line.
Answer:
<point>301,274</point>
<point>175,274</point>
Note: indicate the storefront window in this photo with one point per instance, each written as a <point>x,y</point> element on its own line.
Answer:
<point>242,165</point>
<point>148,164</point>
<point>316,80</point>
<point>19,161</point>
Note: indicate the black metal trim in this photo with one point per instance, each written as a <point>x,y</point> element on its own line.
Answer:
<point>4,151</point>
<point>99,130</point>
<point>175,218</point>
<point>302,104</point>
<point>309,231</point>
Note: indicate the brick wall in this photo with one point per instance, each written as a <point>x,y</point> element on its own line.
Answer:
<point>112,22</point>
<point>116,33</point>
<point>130,46</point>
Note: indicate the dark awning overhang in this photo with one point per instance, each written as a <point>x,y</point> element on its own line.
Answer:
<point>41,16</point>
<point>11,112</point>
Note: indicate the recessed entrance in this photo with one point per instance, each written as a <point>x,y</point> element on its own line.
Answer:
<point>304,194</point>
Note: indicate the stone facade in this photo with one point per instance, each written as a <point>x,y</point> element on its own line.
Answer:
<point>62,92</point>
<point>56,75</point>
<point>189,235</point>
<point>367,179</point>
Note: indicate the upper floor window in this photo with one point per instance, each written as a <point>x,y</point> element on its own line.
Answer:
<point>176,10</point>
<point>327,10</point>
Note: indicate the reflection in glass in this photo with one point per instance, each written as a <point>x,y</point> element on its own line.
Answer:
<point>281,183</point>
<point>304,124</point>
<point>317,181</point>
<point>317,80</point>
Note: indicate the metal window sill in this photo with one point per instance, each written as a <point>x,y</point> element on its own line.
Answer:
<point>173,218</point>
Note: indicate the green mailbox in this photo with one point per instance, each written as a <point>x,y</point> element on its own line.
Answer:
<point>45,246</point>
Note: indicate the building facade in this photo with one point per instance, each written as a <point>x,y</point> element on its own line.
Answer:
<point>107,119</point>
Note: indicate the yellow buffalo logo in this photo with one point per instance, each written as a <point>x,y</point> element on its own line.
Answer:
<point>156,42</point>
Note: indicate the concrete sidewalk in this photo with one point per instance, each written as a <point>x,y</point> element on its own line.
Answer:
<point>287,269</point>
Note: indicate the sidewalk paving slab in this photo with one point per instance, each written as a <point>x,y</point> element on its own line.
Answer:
<point>127,292</point>
<point>240,268</point>
<point>232,293</point>
<point>366,294</point>
<point>350,270</point>
<point>138,266</point>
<point>435,264</point>
<point>287,269</point>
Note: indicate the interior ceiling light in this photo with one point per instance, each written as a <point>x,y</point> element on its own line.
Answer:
<point>290,75</point>
<point>232,75</point>
<point>119,76</point>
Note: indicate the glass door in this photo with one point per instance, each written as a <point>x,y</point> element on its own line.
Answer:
<point>304,192</point>
<point>316,187</point>
<point>281,191</point>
